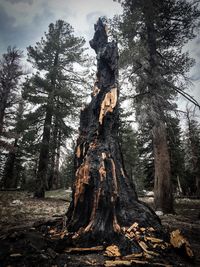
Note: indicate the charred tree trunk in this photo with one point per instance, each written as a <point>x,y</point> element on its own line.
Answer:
<point>163,199</point>
<point>104,199</point>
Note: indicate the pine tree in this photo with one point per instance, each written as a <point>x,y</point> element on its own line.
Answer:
<point>13,165</point>
<point>192,154</point>
<point>154,33</point>
<point>10,73</point>
<point>53,90</point>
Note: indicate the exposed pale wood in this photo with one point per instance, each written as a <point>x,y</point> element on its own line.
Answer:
<point>16,255</point>
<point>134,225</point>
<point>178,241</point>
<point>82,178</point>
<point>97,248</point>
<point>145,248</point>
<point>95,90</point>
<point>112,251</point>
<point>153,239</point>
<point>78,152</point>
<point>108,104</point>
<point>132,256</point>
<point>110,263</point>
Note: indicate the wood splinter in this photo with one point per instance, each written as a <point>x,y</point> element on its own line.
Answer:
<point>108,104</point>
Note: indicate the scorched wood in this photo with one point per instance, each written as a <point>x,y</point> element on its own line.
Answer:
<point>104,200</point>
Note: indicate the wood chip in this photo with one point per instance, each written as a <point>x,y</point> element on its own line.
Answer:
<point>151,229</point>
<point>112,251</point>
<point>72,250</point>
<point>178,241</point>
<point>123,262</point>
<point>16,255</point>
<point>144,247</point>
<point>135,225</point>
<point>153,239</point>
<point>132,256</point>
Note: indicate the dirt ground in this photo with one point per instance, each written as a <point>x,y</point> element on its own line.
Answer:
<point>20,209</point>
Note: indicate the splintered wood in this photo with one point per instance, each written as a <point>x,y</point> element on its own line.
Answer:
<point>178,241</point>
<point>82,178</point>
<point>112,251</point>
<point>108,104</point>
<point>76,250</point>
<point>95,90</point>
<point>78,152</point>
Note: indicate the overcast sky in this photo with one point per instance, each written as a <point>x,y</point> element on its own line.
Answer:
<point>23,22</point>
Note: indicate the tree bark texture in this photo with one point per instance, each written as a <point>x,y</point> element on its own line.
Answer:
<point>163,199</point>
<point>104,198</point>
<point>41,178</point>
<point>9,177</point>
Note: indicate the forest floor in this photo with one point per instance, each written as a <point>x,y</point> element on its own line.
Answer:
<point>19,210</point>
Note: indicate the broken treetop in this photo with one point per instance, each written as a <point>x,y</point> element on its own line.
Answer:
<point>107,56</point>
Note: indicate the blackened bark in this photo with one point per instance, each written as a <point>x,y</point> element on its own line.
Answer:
<point>104,198</point>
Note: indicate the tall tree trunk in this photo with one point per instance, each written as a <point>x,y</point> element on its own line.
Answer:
<point>44,153</point>
<point>104,199</point>
<point>41,179</point>
<point>56,182</point>
<point>3,104</point>
<point>9,177</point>
<point>195,156</point>
<point>53,156</point>
<point>163,199</point>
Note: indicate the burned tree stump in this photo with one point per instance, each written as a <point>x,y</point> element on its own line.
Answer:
<point>104,200</point>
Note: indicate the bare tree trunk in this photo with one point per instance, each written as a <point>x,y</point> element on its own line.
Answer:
<point>44,156</point>
<point>104,198</point>
<point>53,156</point>
<point>9,177</point>
<point>56,182</point>
<point>3,104</point>
<point>163,197</point>
<point>162,184</point>
<point>41,179</point>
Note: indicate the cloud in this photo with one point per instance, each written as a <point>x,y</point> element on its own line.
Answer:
<point>30,2</point>
<point>7,29</point>
<point>23,34</point>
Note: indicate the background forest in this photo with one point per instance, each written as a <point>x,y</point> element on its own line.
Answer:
<point>40,107</point>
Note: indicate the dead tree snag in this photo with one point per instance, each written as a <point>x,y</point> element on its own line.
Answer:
<point>104,202</point>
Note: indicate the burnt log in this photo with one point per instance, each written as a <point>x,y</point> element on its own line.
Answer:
<point>104,200</point>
